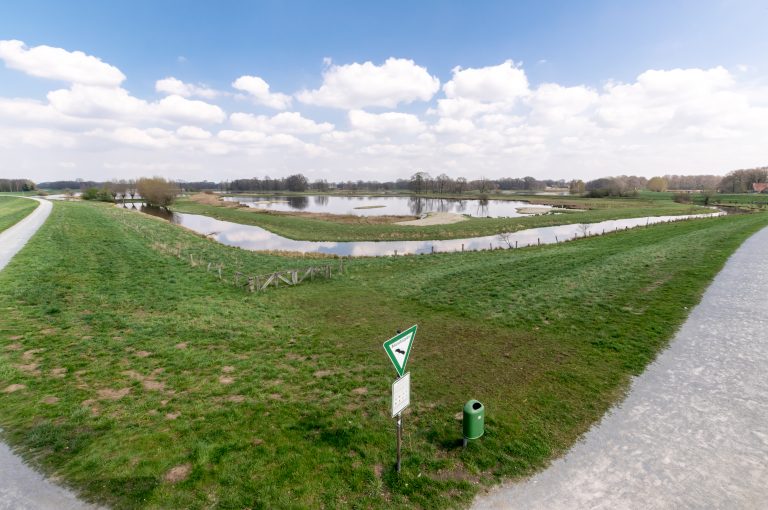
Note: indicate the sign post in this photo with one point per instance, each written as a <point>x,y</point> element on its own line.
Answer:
<point>398,348</point>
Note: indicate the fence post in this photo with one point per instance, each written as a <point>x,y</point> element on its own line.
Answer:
<point>250,283</point>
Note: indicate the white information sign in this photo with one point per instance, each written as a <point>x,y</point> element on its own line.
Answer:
<point>401,394</point>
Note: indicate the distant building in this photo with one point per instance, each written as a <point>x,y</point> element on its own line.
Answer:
<point>760,187</point>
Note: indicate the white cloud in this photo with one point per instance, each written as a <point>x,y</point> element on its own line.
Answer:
<point>177,87</point>
<point>40,138</point>
<point>118,103</point>
<point>395,123</point>
<point>153,138</point>
<point>177,108</point>
<point>193,133</point>
<point>286,122</point>
<point>59,64</point>
<point>353,86</point>
<point>259,91</point>
<point>488,120</point>
<point>493,84</point>
<point>475,91</point>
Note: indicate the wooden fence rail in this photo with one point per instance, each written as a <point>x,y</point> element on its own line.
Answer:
<point>258,283</point>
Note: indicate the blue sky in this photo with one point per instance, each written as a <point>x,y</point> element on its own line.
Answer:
<point>571,44</point>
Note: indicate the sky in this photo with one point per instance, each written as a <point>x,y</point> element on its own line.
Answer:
<point>342,90</point>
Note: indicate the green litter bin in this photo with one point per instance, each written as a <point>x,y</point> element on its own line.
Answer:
<point>474,419</point>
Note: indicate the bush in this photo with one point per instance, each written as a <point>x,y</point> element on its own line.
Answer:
<point>682,198</point>
<point>101,195</point>
<point>157,191</point>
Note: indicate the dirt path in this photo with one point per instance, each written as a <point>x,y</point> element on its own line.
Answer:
<point>693,431</point>
<point>21,487</point>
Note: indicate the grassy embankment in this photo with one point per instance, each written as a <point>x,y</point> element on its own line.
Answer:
<point>145,382</point>
<point>13,210</point>
<point>303,226</point>
<point>754,201</point>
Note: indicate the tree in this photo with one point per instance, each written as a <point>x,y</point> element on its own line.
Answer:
<point>443,182</point>
<point>740,181</point>
<point>657,184</point>
<point>297,182</point>
<point>419,182</point>
<point>157,191</point>
<point>576,187</point>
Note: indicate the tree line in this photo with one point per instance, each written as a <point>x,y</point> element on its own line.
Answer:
<point>737,181</point>
<point>16,185</point>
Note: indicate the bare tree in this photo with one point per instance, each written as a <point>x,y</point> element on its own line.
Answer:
<point>157,191</point>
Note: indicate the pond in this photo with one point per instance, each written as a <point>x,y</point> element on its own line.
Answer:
<point>255,238</point>
<point>388,206</point>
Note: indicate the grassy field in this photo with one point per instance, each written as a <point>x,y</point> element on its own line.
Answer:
<point>145,382</point>
<point>321,229</point>
<point>12,210</point>
<point>744,200</point>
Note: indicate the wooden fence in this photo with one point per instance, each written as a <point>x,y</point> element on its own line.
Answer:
<point>287,277</point>
<point>253,283</point>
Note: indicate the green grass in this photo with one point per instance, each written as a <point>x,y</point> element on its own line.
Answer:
<point>13,210</point>
<point>547,338</point>
<point>310,229</point>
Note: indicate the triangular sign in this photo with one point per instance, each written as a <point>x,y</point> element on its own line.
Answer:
<point>398,348</point>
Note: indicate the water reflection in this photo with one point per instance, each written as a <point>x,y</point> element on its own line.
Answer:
<point>159,212</point>
<point>298,203</point>
<point>378,206</point>
<point>256,238</point>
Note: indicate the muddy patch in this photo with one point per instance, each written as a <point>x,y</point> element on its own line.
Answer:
<point>14,387</point>
<point>58,372</point>
<point>178,473</point>
<point>30,354</point>
<point>113,394</point>
<point>50,400</point>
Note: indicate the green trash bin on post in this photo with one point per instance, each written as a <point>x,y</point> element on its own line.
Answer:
<point>473,423</point>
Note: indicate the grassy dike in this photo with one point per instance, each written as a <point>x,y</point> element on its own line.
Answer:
<point>13,210</point>
<point>298,227</point>
<point>145,382</point>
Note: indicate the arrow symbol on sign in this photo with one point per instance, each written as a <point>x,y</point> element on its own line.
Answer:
<point>398,348</point>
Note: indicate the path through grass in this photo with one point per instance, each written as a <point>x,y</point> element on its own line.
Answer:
<point>145,382</point>
<point>13,210</point>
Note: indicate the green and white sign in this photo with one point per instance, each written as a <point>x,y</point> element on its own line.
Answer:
<point>398,348</point>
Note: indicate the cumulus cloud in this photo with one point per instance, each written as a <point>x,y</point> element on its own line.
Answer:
<point>354,86</point>
<point>177,87</point>
<point>177,108</point>
<point>286,122</point>
<point>487,120</point>
<point>117,103</point>
<point>389,122</point>
<point>59,64</point>
<point>193,133</point>
<point>260,93</point>
<point>474,91</point>
<point>492,84</point>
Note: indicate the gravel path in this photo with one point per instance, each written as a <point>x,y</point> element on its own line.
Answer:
<point>21,487</point>
<point>693,431</point>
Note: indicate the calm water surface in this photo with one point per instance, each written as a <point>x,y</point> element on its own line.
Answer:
<point>386,206</point>
<point>256,238</point>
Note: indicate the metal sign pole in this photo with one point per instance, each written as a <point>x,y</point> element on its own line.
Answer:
<point>399,438</point>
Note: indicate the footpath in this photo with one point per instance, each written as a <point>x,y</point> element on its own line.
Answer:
<point>21,487</point>
<point>693,430</point>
